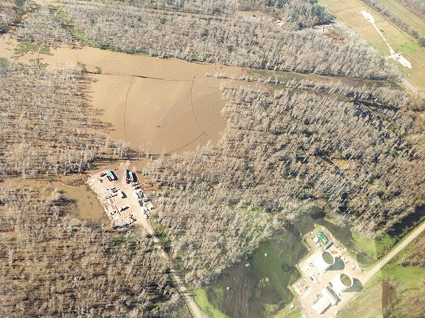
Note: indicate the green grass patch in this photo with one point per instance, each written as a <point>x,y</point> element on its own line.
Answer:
<point>25,47</point>
<point>289,313</point>
<point>270,261</point>
<point>50,177</point>
<point>384,244</point>
<point>4,61</point>
<point>208,309</point>
<point>407,275</point>
<point>364,250</point>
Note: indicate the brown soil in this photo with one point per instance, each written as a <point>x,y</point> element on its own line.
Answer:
<point>388,294</point>
<point>72,187</point>
<point>168,105</point>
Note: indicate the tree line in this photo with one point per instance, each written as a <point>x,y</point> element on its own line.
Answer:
<point>297,14</point>
<point>417,6</point>
<point>242,40</point>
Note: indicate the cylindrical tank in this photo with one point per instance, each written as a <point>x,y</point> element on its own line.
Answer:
<point>324,260</point>
<point>342,282</point>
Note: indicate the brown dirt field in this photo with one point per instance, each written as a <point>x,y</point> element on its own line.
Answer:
<point>167,104</point>
<point>388,294</point>
<point>88,207</point>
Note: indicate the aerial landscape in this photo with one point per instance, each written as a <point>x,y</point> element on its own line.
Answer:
<point>220,159</point>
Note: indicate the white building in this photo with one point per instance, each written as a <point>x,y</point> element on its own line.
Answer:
<point>322,305</point>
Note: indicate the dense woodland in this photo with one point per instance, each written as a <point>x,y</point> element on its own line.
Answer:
<point>43,27</point>
<point>256,42</point>
<point>362,162</point>
<point>11,12</point>
<point>297,14</point>
<point>52,264</point>
<point>47,125</point>
<point>356,151</point>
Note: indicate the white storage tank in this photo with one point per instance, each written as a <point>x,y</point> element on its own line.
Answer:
<point>324,260</point>
<point>342,282</point>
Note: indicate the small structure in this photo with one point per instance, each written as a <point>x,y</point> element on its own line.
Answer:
<point>329,244</point>
<point>330,295</point>
<point>322,237</point>
<point>324,260</point>
<point>322,305</point>
<point>342,282</point>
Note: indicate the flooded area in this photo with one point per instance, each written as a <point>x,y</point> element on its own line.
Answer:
<point>81,199</point>
<point>163,105</point>
<point>258,286</point>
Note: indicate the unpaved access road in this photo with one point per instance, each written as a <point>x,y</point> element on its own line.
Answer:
<point>378,267</point>
<point>196,312</point>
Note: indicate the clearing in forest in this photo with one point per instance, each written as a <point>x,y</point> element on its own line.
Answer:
<point>158,105</point>
<point>349,12</point>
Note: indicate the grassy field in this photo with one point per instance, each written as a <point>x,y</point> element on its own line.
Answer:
<point>406,15</point>
<point>374,292</point>
<point>349,13</point>
<point>370,295</point>
<point>208,309</point>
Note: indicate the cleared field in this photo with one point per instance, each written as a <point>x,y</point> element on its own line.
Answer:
<point>163,105</point>
<point>349,13</point>
<point>405,14</point>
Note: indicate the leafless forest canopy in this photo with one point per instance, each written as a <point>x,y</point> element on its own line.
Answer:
<point>11,12</point>
<point>255,42</point>
<point>297,14</point>
<point>356,151</point>
<point>59,266</point>
<point>362,162</point>
<point>47,125</point>
<point>43,27</point>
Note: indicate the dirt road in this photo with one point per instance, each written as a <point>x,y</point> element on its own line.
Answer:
<point>376,269</point>
<point>393,253</point>
<point>196,312</point>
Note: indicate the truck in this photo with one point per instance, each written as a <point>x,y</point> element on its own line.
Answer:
<point>111,175</point>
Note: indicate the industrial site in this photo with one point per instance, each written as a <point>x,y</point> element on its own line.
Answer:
<point>329,275</point>
<point>121,196</point>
